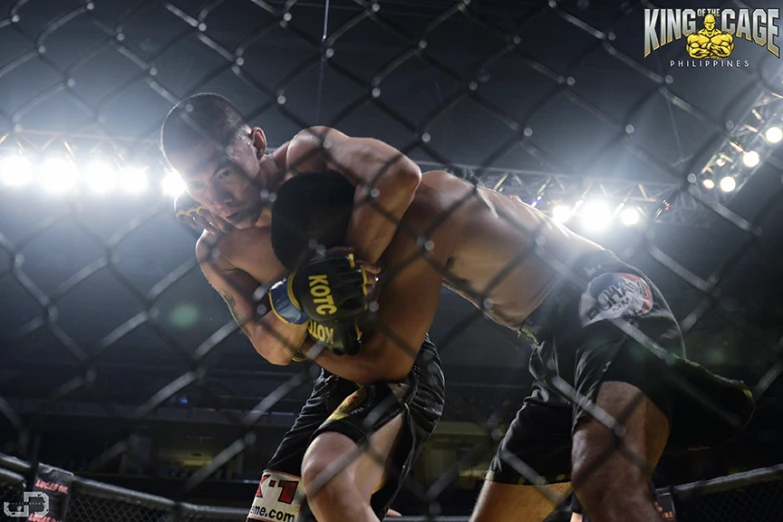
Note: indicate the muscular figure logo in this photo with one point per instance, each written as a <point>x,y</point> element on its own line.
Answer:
<point>710,42</point>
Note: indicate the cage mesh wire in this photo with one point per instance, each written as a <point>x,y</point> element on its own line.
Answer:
<point>106,73</point>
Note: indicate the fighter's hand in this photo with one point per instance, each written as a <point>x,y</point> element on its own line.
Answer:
<point>333,287</point>
<point>371,272</point>
<point>197,217</point>
<point>339,337</point>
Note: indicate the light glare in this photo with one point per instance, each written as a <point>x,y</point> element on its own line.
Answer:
<point>774,134</point>
<point>629,216</point>
<point>172,184</point>
<point>728,184</point>
<point>133,180</point>
<point>561,213</point>
<point>100,176</point>
<point>16,170</point>
<point>708,184</point>
<point>751,159</point>
<point>59,174</point>
<point>596,215</point>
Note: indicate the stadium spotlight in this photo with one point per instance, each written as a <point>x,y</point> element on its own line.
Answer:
<point>728,184</point>
<point>59,174</point>
<point>133,179</point>
<point>629,216</point>
<point>100,176</point>
<point>596,215</point>
<point>561,213</point>
<point>172,184</point>
<point>751,159</point>
<point>16,170</point>
<point>708,183</point>
<point>774,134</point>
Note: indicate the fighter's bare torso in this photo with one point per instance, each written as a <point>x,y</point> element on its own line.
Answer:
<point>490,242</point>
<point>486,240</point>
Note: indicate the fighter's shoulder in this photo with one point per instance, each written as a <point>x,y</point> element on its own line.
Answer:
<point>305,150</point>
<point>445,185</point>
<point>439,192</point>
<point>211,252</point>
<point>314,136</point>
<point>438,179</point>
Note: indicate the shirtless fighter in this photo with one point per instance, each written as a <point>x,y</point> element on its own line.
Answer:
<point>352,445</point>
<point>605,400</point>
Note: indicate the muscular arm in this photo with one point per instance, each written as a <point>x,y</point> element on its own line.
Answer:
<point>407,308</point>
<point>724,48</point>
<point>373,167</point>
<point>275,340</point>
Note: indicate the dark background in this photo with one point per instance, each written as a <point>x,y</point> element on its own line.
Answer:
<point>93,324</point>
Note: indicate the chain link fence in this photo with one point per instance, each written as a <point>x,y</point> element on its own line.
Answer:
<point>110,336</point>
<point>754,495</point>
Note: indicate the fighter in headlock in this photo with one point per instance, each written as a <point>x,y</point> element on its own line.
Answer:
<point>611,384</point>
<point>352,445</point>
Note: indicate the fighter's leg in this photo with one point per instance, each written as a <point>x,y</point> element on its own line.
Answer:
<point>501,502</point>
<point>612,474</point>
<point>538,443</point>
<point>340,475</point>
<point>362,454</point>
<point>600,350</point>
<point>613,465</point>
<point>280,491</point>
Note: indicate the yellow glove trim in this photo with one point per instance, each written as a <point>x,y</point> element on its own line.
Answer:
<point>290,287</point>
<point>200,210</point>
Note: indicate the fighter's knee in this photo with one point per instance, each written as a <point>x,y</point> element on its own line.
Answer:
<point>592,445</point>
<point>319,473</point>
<point>325,471</point>
<point>330,488</point>
<point>602,474</point>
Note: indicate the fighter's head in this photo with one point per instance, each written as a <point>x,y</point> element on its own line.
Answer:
<point>310,210</point>
<point>709,22</point>
<point>205,138</point>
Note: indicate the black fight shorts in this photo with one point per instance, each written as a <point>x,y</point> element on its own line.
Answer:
<point>613,325</point>
<point>338,405</point>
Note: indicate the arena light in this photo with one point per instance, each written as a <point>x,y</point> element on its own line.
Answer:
<point>774,134</point>
<point>596,215</point>
<point>133,179</point>
<point>629,216</point>
<point>750,159</point>
<point>16,170</point>
<point>172,184</point>
<point>58,174</point>
<point>561,213</point>
<point>728,184</point>
<point>100,176</point>
<point>708,183</point>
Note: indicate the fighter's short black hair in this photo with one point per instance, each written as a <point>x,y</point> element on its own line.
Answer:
<point>199,118</point>
<point>309,210</point>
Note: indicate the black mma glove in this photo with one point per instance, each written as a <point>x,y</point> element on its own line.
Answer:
<point>329,289</point>
<point>339,337</point>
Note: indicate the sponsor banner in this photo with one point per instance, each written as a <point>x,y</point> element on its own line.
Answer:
<point>279,498</point>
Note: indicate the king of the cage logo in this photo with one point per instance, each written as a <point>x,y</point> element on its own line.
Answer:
<point>710,34</point>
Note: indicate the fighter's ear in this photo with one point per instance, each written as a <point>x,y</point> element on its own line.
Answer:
<point>258,139</point>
